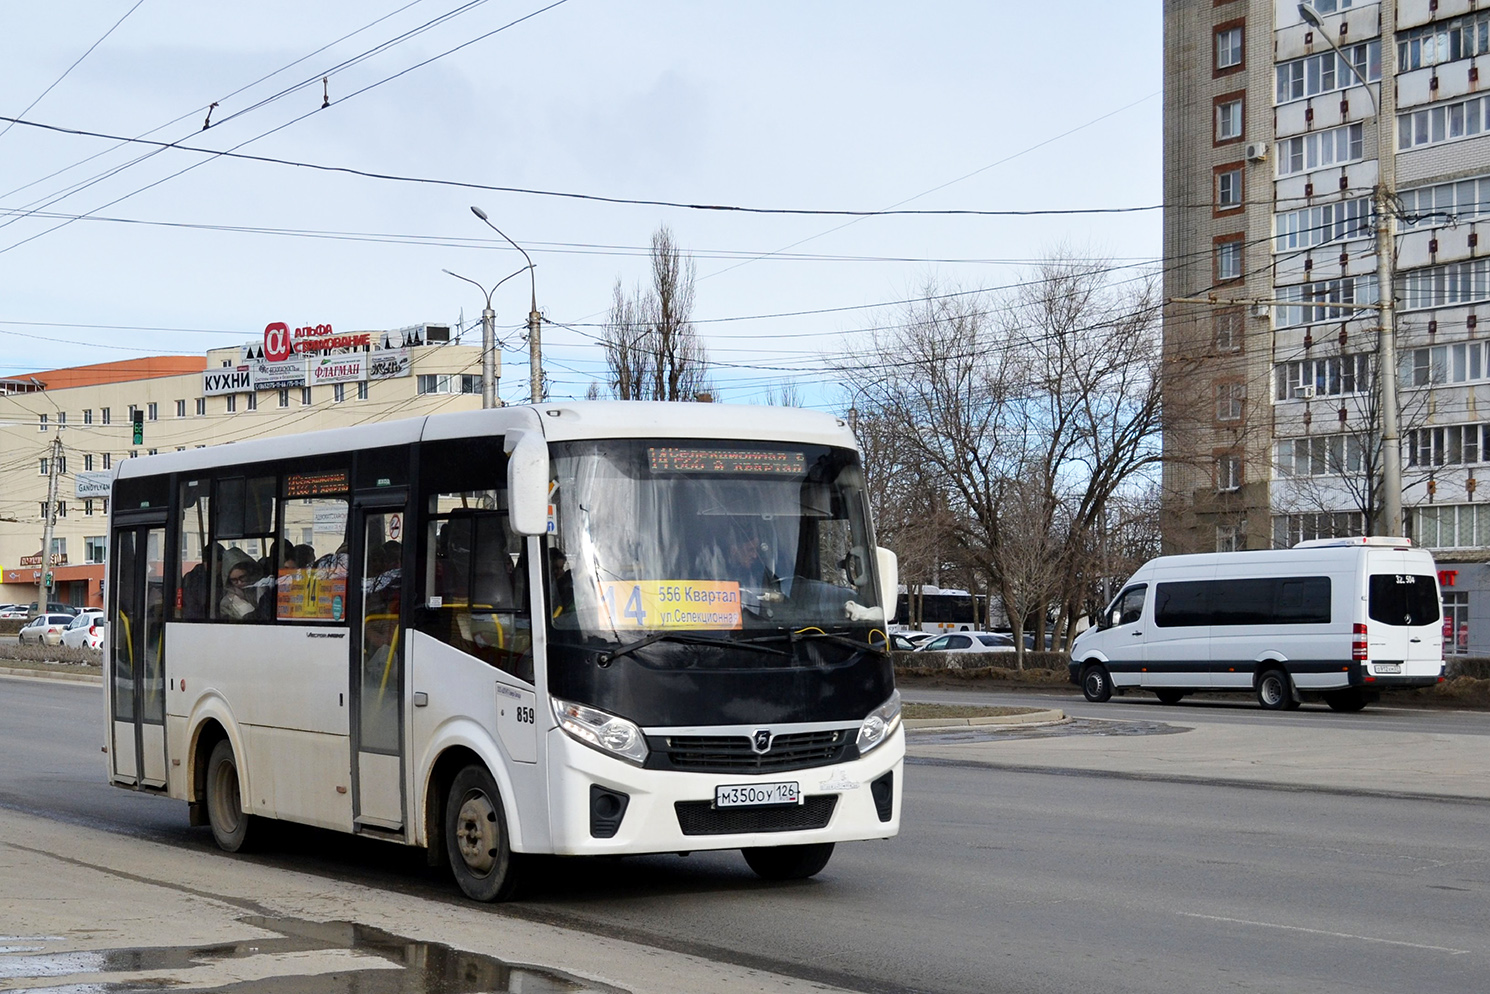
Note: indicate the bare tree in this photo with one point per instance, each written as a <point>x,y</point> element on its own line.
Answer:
<point>651,346</point>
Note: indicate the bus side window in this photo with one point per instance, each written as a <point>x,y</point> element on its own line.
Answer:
<point>478,589</point>
<point>1130,607</point>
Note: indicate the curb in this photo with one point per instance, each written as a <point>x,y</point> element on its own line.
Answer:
<point>1049,716</point>
<point>61,675</point>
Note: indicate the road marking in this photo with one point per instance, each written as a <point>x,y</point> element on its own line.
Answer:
<point>1336,935</point>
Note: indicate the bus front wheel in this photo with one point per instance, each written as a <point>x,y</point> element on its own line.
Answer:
<point>1096,685</point>
<point>789,862</point>
<point>224,802</point>
<point>476,837</point>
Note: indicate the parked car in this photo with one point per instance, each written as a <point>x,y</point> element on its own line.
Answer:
<point>900,643</point>
<point>86,631</point>
<point>53,607</point>
<point>13,612</point>
<point>969,642</point>
<point>45,629</point>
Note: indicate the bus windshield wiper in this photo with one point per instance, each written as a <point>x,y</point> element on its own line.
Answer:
<point>606,658</point>
<point>814,635</point>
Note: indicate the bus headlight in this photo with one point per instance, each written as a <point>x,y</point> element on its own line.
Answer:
<point>880,724</point>
<point>601,730</point>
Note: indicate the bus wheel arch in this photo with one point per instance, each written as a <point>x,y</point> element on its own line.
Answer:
<point>230,823</point>
<point>475,836</point>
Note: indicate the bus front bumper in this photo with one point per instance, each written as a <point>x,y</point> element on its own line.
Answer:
<point>669,811</point>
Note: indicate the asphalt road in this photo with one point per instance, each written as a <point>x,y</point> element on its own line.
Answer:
<point>999,882</point>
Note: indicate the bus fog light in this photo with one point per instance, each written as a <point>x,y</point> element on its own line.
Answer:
<point>880,724</point>
<point>601,730</point>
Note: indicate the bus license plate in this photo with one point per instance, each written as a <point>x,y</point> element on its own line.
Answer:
<point>757,795</point>
<point>1389,667</point>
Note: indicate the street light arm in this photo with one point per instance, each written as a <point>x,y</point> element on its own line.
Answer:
<point>478,286</point>
<point>482,214</point>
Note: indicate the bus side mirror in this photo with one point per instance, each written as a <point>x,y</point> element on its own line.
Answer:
<point>527,482</point>
<point>888,567</point>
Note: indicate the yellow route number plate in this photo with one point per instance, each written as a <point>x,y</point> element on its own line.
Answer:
<point>656,605</point>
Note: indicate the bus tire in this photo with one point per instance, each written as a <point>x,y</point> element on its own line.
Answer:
<point>1096,685</point>
<point>789,862</point>
<point>1169,696</point>
<point>1274,692</point>
<point>230,826</point>
<point>476,838</point>
<point>1349,700</point>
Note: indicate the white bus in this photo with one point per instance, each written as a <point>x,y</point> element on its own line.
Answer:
<point>591,628</point>
<point>1344,618</point>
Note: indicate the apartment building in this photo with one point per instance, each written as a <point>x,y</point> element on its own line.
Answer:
<point>68,428</point>
<point>1283,125</point>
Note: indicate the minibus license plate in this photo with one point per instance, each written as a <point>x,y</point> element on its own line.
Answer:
<point>757,795</point>
<point>1389,667</point>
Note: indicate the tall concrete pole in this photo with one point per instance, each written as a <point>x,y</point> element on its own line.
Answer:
<point>50,525</point>
<point>488,357</point>
<point>535,320</point>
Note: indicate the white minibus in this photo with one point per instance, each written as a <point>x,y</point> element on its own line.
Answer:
<point>582,629</point>
<point>1341,618</point>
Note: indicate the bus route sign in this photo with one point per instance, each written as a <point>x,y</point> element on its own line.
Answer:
<point>658,605</point>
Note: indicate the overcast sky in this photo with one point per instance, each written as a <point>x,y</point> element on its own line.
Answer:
<point>989,106</point>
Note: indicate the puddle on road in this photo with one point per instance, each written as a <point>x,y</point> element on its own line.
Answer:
<point>1075,726</point>
<point>327,957</point>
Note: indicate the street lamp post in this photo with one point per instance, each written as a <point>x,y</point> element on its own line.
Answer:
<point>1383,198</point>
<point>535,320</point>
<point>490,364</point>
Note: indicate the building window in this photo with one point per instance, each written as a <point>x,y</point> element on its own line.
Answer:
<point>1320,455</point>
<point>1442,123</point>
<point>1227,326</point>
<point>1291,529</point>
<point>180,408</point>
<point>1449,526</point>
<point>338,392</point>
<point>62,509</point>
<point>1319,149</point>
<point>1443,286</point>
<point>104,415</point>
<point>201,406</point>
<point>1448,41</point>
<point>1228,188</point>
<point>232,403</point>
<point>61,420</point>
<point>1451,445</point>
<point>87,462</point>
<point>1231,538</point>
<point>93,546</point>
<point>151,452</point>
<point>361,389</point>
<point>152,411</point>
<point>1315,300</point>
<point>1446,203</point>
<point>42,423</point>
<point>108,461</point>
<point>1228,260</point>
<point>447,383</point>
<point>305,396</point>
<point>1466,362</point>
<point>61,465</point>
<point>1229,399</point>
<point>1229,47</point>
<point>88,508</point>
<point>253,401</point>
<point>1456,623</point>
<point>1229,119</point>
<point>88,416</point>
<point>1326,72</point>
<point>284,396</point>
<point>134,453</point>
<point>1311,226</point>
<point>1228,473</point>
<point>1330,376</point>
<point>45,467</point>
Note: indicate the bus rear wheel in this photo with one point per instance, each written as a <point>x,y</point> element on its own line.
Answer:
<point>789,862</point>
<point>476,839</point>
<point>1350,700</point>
<point>1274,692</point>
<point>224,801</point>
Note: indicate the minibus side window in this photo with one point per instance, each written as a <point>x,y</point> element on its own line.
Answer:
<point>1182,604</point>
<point>1403,599</point>
<point>1129,605</point>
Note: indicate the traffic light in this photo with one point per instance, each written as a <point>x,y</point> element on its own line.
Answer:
<point>139,426</point>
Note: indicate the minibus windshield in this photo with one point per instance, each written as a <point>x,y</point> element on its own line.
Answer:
<point>730,539</point>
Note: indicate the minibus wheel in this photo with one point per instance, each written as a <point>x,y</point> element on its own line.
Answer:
<point>1096,685</point>
<point>789,862</point>
<point>1169,696</point>
<point>1273,690</point>
<point>1353,699</point>
<point>476,837</point>
<point>224,802</point>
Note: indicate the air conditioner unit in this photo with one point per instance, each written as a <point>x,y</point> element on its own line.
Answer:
<point>1303,393</point>
<point>1261,310</point>
<point>1257,151</point>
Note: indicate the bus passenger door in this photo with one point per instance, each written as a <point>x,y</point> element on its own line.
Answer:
<point>378,673</point>
<point>136,630</point>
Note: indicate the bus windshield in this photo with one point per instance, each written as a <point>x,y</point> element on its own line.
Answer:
<point>727,540</point>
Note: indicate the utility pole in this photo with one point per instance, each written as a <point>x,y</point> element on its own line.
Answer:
<point>51,523</point>
<point>491,359</point>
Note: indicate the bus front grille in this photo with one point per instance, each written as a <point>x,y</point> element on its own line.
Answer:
<point>733,753</point>
<point>702,818</point>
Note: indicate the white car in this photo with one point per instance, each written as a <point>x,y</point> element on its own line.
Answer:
<point>85,632</point>
<point>45,629</point>
<point>13,612</point>
<point>969,642</point>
